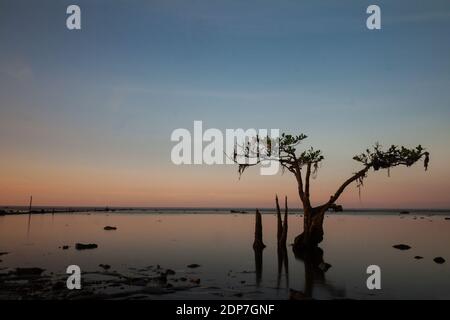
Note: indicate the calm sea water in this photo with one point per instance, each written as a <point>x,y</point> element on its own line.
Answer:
<point>221,243</point>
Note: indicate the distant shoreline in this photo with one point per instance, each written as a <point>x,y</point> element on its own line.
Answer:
<point>22,210</point>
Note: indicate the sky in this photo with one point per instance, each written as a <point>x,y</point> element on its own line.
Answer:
<point>86,115</point>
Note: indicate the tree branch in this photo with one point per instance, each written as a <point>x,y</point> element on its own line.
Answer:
<point>341,189</point>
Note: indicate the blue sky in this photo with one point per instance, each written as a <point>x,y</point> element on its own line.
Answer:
<point>113,92</point>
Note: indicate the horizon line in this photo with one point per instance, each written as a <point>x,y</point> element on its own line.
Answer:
<point>214,208</point>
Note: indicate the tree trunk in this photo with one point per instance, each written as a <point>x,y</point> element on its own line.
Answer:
<point>312,229</point>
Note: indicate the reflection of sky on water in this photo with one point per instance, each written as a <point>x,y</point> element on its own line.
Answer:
<point>222,245</point>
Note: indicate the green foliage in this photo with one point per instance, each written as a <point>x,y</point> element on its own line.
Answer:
<point>377,158</point>
<point>287,142</point>
<point>284,150</point>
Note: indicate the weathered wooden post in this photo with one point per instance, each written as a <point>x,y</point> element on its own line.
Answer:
<point>279,222</point>
<point>258,247</point>
<point>31,203</point>
<point>283,238</point>
<point>258,243</point>
<point>282,226</point>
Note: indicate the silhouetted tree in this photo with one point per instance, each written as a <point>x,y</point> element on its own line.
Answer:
<point>304,165</point>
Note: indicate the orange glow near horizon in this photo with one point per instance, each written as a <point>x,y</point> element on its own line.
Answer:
<point>211,186</point>
<point>86,117</point>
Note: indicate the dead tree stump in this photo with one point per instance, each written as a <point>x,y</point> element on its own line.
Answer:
<point>258,243</point>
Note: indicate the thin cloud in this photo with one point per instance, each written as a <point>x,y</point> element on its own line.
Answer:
<point>18,70</point>
<point>419,17</point>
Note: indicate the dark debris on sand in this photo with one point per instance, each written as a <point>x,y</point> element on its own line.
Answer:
<point>34,283</point>
<point>82,246</point>
<point>401,247</point>
<point>439,260</point>
<point>29,271</point>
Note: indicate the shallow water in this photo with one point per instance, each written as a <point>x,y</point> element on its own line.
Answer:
<point>221,243</point>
